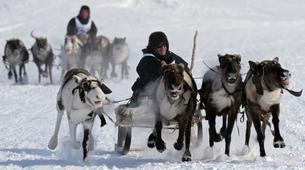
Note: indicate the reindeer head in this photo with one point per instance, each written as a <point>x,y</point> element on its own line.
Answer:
<point>41,42</point>
<point>91,91</point>
<point>230,68</point>
<point>72,45</point>
<point>271,73</point>
<point>15,46</point>
<point>119,43</point>
<point>173,80</point>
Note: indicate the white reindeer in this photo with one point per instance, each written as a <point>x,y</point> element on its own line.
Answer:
<point>81,94</point>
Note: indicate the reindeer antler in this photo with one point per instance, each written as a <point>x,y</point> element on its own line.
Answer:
<point>32,35</point>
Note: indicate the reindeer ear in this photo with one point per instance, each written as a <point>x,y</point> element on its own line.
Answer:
<point>124,38</point>
<point>164,66</point>
<point>276,59</point>
<point>253,66</point>
<point>182,65</point>
<point>77,79</point>
<point>97,75</point>
<point>220,58</point>
<point>238,57</point>
<point>105,89</point>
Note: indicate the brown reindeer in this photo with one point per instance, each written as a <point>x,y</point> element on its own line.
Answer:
<point>172,97</point>
<point>263,91</point>
<point>220,94</point>
<point>15,53</point>
<point>42,54</point>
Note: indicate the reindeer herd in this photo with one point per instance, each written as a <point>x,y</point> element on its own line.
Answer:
<point>172,97</point>
<point>94,56</point>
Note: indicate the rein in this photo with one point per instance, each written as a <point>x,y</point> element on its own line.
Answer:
<point>230,93</point>
<point>84,86</point>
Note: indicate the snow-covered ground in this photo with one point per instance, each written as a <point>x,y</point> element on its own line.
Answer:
<point>257,30</point>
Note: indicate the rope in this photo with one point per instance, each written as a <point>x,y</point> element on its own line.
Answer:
<point>107,115</point>
<point>210,68</point>
<point>110,102</point>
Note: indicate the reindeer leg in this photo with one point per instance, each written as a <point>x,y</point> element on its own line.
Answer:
<point>15,74</point>
<point>20,73</point>
<point>260,135</point>
<point>248,132</point>
<point>45,72</point>
<point>214,136</point>
<point>232,117</point>
<point>54,139</point>
<point>278,141</point>
<point>9,74</point>
<point>39,72</point>
<point>72,127</point>
<point>223,130</point>
<point>113,74</point>
<point>88,138</point>
<point>24,71</point>
<point>151,142</point>
<point>182,127</point>
<point>50,71</point>
<point>187,153</point>
<point>124,70</point>
<point>160,145</point>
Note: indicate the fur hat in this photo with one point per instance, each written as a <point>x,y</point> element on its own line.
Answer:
<point>155,39</point>
<point>84,7</point>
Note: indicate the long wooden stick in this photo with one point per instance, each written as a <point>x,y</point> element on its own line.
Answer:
<point>193,51</point>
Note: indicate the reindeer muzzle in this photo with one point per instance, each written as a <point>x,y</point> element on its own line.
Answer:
<point>284,77</point>
<point>231,78</point>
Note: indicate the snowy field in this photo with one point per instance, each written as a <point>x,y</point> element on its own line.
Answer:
<point>257,30</point>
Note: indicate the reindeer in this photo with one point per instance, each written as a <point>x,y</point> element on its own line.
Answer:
<point>71,54</point>
<point>119,53</point>
<point>81,95</point>
<point>42,54</point>
<point>220,95</point>
<point>15,53</point>
<point>263,90</point>
<point>96,53</point>
<point>172,97</point>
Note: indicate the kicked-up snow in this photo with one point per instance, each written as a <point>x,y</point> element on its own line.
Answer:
<point>256,30</point>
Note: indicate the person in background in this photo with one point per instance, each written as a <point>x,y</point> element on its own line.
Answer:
<point>84,28</point>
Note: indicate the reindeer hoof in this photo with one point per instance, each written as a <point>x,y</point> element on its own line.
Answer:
<point>223,132</point>
<point>10,75</point>
<point>186,158</point>
<point>178,146</point>
<point>262,154</point>
<point>161,147</point>
<point>151,142</point>
<point>53,143</point>
<point>216,137</point>
<point>45,74</point>
<point>76,145</point>
<point>279,144</point>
